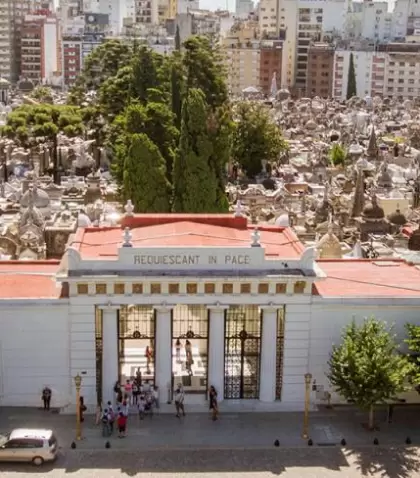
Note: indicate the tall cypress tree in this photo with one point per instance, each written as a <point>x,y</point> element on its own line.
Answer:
<point>177,39</point>
<point>194,180</point>
<point>176,87</point>
<point>351,79</point>
<point>145,181</point>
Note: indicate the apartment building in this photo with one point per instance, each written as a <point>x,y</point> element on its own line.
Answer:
<point>390,70</point>
<point>320,70</point>
<point>249,60</point>
<point>401,70</point>
<point>40,49</point>
<point>72,48</point>
<point>267,17</point>
<point>6,39</point>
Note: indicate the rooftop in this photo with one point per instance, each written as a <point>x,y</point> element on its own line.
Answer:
<point>365,278</point>
<point>29,280</point>
<point>186,230</point>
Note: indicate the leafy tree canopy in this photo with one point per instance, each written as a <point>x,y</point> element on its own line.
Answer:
<point>413,342</point>
<point>255,138</point>
<point>367,368</point>
<point>194,180</point>
<point>43,121</point>
<point>337,154</point>
<point>145,181</point>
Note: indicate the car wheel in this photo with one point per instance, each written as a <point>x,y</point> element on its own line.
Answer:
<point>37,461</point>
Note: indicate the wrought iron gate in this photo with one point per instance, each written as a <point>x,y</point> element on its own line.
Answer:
<point>279,352</point>
<point>190,326</point>
<point>136,328</point>
<point>98,352</point>
<point>242,352</point>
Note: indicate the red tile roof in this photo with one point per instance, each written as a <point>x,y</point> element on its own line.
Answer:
<point>368,278</point>
<point>29,280</point>
<point>104,242</point>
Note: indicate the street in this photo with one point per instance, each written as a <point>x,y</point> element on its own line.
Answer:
<point>330,462</point>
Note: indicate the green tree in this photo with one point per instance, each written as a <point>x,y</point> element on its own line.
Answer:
<point>156,120</point>
<point>115,93</point>
<point>413,342</point>
<point>145,73</point>
<point>367,368</point>
<point>177,39</point>
<point>337,154</point>
<point>145,181</point>
<point>177,86</point>
<point>194,180</point>
<point>105,61</point>
<point>204,69</point>
<point>255,138</point>
<point>351,79</point>
<point>42,94</point>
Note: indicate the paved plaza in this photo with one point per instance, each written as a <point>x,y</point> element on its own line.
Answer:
<point>237,445</point>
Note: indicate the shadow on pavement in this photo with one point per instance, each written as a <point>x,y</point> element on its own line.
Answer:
<point>389,462</point>
<point>129,463</point>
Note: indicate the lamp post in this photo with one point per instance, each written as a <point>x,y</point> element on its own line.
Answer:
<point>78,384</point>
<point>308,380</point>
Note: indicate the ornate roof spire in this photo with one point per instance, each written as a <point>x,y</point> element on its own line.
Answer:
<point>359,195</point>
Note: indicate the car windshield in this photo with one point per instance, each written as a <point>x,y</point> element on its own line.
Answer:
<point>4,439</point>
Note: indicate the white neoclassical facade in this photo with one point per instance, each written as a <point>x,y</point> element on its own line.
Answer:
<point>198,300</point>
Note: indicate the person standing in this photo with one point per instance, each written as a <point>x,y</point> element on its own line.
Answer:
<point>179,400</point>
<point>188,353</point>
<point>178,346</point>
<point>46,397</point>
<point>213,403</point>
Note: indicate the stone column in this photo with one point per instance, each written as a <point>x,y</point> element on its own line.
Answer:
<point>268,355</point>
<point>163,351</point>
<point>216,352</point>
<point>110,362</point>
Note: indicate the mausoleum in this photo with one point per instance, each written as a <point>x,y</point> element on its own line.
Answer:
<point>256,308</point>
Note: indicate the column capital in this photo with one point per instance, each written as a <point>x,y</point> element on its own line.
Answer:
<point>163,307</point>
<point>109,306</point>
<point>217,306</point>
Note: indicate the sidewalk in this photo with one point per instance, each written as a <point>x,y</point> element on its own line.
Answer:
<point>232,430</point>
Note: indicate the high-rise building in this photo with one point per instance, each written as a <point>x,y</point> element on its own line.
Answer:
<point>40,49</point>
<point>243,8</point>
<point>320,70</point>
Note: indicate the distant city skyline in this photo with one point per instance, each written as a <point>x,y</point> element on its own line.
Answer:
<point>204,4</point>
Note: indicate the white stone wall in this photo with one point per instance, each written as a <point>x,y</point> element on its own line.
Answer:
<point>296,352</point>
<point>34,352</point>
<point>82,349</point>
<point>329,317</point>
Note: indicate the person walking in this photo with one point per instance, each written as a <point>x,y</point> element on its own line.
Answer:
<point>122,425</point>
<point>178,346</point>
<point>213,403</point>
<point>179,401</point>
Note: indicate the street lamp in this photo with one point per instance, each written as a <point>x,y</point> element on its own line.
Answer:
<point>78,384</point>
<point>308,380</point>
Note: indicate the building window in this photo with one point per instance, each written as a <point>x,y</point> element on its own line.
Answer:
<point>299,287</point>
<point>137,289</point>
<point>263,288</point>
<point>155,288</point>
<point>209,288</point>
<point>245,288</point>
<point>173,288</point>
<point>119,289</point>
<point>100,289</point>
<point>227,288</point>
<point>192,288</point>
<point>82,289</point>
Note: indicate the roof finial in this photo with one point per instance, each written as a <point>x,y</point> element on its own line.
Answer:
<point>129,208</point>
<point>127,236</point>
<point>255,237</point>
<point>238,208</point>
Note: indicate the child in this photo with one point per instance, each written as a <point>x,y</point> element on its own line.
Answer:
<point>122,425</point>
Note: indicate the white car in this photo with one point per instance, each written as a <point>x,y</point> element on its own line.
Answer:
<point>29,445</point>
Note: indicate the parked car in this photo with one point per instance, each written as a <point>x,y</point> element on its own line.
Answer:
<point>29,445</point>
